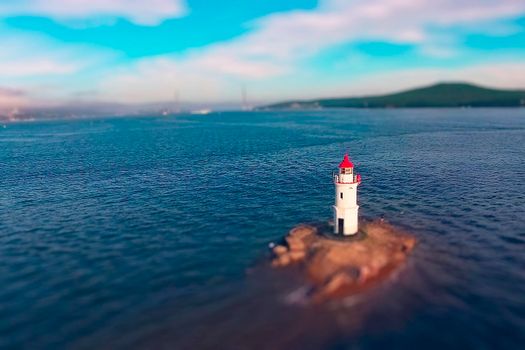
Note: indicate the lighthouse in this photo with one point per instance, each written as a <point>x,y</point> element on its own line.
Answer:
<point>345,207</point>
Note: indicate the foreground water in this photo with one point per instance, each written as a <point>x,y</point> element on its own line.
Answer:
<point>150,233</point>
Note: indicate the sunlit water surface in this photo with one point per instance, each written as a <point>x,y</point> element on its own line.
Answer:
<point>152,233</point>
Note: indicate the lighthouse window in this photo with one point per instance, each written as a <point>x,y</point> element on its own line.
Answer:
<point>341,195</point>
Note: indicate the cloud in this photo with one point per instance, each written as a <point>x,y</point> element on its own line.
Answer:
<point>273,54</point>
<point>276,45</point>
<point>144,12</point>
<point>11,97</point>
<point>31,67</point>
<point>10,92</point>
<point>154,80</point>
<point>206,77</point>
<point>45,70</point>
<point>337,21</point>
<point>27,55</point>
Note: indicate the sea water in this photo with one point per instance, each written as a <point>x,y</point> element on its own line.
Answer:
<point>152,232</point>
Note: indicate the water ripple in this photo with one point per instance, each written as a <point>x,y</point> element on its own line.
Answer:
<point>139,232</point>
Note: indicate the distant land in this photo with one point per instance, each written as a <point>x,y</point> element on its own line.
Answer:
<point>77,110</point>
<point>438,95</point>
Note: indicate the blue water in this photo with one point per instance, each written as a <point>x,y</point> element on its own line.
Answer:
<point>152,233</point>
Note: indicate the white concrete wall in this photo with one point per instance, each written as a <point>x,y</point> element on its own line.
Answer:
<point>349,192</point>
<point>346,208</point>
<point>350,217</point>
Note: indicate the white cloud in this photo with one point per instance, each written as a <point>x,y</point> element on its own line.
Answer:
<point>157,79</point>
<point>269,53</point>
<point>337,21</point>
<point>35,66</point>
<point>144,12</point>
<point>277,43</point>
<point>10,97</point>
<point>45,70</point>
<point>31,55</point>
<point>209,76</point>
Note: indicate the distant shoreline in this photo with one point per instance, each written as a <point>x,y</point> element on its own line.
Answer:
<point>309,109</point>
<point>444,95</point>
<point>7,120</point>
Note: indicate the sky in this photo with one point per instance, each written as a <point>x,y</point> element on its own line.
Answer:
<point>56,52</point>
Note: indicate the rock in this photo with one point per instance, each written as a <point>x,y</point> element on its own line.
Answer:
<point>280,250</point>
<point>336,267</point>
<point>295,244</point>
<point>302,231</point>
<point>284,260</point>
<point>297,255</point>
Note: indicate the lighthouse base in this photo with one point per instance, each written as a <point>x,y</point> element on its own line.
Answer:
<point>346,220</point>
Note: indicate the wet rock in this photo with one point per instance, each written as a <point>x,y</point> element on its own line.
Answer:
<point>340,267</point>
<point>283,260</point>
<point>297,255</point>
<point>295,244</point>
<point>279,250</point>
<point>302,231</point>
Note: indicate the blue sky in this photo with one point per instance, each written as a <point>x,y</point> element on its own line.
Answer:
<point>135,51</point>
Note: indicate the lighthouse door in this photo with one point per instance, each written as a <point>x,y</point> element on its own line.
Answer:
<point>340,226</point>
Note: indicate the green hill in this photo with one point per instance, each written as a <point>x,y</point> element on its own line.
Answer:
<point>439,95</point>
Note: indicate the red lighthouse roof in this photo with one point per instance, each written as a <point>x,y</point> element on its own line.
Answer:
<point>346,163</point>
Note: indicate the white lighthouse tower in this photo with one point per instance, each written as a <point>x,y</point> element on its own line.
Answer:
<point>346,208</point>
